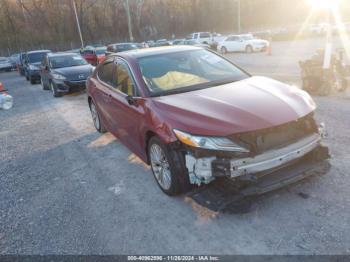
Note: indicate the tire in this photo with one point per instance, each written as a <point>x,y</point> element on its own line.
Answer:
<point>249,49</point>
<point>223,50</point>
<point>168,168</point>
<point>43,85</point>
<point>54,90</point>
<point>96,118</point>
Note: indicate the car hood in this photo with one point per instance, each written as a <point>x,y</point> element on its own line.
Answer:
<point>75,72</point>
<point>251,104</point>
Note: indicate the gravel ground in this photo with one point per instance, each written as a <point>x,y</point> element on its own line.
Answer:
<point>65,189</point>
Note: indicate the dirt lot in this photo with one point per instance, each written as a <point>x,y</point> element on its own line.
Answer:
<point>65,189</point>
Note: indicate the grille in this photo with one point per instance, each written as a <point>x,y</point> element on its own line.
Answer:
<point>276,137</point>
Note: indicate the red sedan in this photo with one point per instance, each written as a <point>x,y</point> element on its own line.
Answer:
<point>94,56</point>
<point>196,117</point>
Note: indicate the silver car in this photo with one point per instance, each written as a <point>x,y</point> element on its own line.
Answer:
<point>5,64</point>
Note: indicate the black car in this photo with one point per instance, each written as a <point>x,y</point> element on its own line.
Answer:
<point>21,63</point>
<point>64,73</point>
<point>32,64</point>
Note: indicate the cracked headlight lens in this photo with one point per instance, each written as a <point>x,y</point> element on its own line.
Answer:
<point>209,142</point>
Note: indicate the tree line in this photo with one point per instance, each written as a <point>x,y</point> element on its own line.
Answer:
<point>30,24</point>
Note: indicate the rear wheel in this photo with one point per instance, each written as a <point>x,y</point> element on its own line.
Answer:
<point>96,118</point>
<point>168,167</point>
<point>249,49</point>
<point>223,50</point>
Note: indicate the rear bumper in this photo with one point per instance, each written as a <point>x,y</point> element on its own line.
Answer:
<point>35,75</point>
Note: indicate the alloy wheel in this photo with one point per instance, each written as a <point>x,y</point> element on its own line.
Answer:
<point>94,115</point>
<point>160,166</point>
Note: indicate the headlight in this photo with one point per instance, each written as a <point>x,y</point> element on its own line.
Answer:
<point>211,143</point>
<point>58,77</point>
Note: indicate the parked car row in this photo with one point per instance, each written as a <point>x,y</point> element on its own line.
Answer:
<point>224,44</point>
<point>60,72</point>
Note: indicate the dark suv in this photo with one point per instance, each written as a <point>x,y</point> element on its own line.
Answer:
<point>32,65</point>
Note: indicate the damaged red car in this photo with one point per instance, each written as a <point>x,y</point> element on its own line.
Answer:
<point>194,117</point>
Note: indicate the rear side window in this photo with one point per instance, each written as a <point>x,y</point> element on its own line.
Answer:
<point>105,72</point>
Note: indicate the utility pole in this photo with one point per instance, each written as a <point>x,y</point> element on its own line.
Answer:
<point>127,8</point>
<point>78,24</point>
<point>329,42</point>
<point>239,15</point>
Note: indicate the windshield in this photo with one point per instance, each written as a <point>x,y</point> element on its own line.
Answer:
<point>36,57</point>
<point>100,51</point>
<point>66,61</point>
<point>186,71</point>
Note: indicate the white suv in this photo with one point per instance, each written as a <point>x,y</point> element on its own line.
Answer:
<point>242,43</point>
<point>201,38</point>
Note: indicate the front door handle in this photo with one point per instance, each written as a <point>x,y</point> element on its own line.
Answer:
<point>107,97</point>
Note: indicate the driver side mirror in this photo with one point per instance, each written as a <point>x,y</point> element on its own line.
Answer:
<point>131,100</point>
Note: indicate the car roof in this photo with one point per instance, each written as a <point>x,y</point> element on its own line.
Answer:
<point>61,54</point>
<point>138,53</point>
<point>130,43</point>
<point>39,51</point>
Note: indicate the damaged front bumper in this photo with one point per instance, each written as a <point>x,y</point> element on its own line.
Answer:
<point>204,170</point>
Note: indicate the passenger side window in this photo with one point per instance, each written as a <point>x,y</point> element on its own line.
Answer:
<point>124,80</point>
<point>105,73</point>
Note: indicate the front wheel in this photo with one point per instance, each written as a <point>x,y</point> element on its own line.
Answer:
<point>168,167</point>
<point>249,49</point>
<point>54,90</point>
